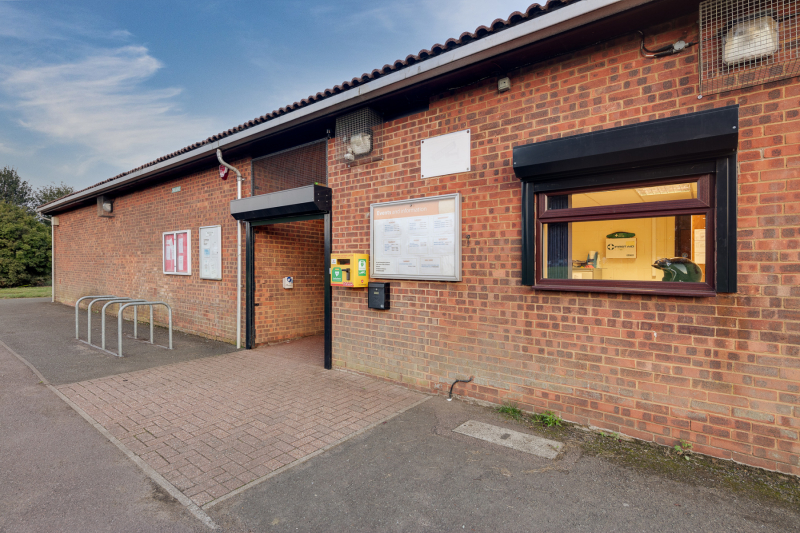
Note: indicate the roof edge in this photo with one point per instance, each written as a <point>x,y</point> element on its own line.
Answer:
<point>566,18</point>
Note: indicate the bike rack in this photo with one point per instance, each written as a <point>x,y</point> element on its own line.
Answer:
<point>89,313</point>
<point>103,316</point>
<point>135,305</point>
<point>77,330</point>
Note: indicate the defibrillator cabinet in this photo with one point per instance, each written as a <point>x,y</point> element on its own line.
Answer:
<point>349,270</point>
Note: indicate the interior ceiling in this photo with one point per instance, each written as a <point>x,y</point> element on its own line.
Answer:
<point>629,196</point>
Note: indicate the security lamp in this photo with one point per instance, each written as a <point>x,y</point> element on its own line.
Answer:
<point>361,143</point>
<point>105,206</point>
<point>750,39</point>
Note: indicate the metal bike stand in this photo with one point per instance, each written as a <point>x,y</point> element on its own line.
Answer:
<point>136,304</point>
<point>77,331</point>
<point>89,312</point>
<point>103,316</point>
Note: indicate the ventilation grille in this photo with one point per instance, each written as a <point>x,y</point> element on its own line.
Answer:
<point>288,169</point>
<point>747,42</point>
<point>358,136</point>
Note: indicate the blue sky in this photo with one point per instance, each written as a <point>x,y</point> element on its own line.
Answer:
<point>89,89</point>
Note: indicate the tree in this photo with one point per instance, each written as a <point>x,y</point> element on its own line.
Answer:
<point>14,190</point>
<point>48,193</point>
<point>25,252</point>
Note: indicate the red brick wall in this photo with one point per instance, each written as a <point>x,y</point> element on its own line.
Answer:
<point>290,169</point>
<point>289,249</point>
<point>722,372</point>
<point>122,255</point>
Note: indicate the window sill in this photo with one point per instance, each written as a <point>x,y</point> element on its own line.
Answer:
<point>568,287</point>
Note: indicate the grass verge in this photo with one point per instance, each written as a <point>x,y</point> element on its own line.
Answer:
<point>25,292</point>
<point>677,463</point>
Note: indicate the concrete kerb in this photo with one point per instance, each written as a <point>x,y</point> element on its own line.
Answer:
<point>152,474</point>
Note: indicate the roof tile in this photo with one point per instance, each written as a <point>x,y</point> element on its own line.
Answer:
<point>517,17</point>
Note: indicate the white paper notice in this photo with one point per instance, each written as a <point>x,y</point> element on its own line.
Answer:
<point>418,226</point>
<point>210,252</point>
<point>699,252</point>
<point>408,267</point>
<point>384,267</point>
<point>391,228</point>
<point>443,224</point>
<point>444,245</point>
<point>391,247</point>
<point>418,245</point>
<point>431,266</point>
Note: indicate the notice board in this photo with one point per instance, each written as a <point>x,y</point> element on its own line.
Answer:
<point>416,239</point>
<point>211,252</point>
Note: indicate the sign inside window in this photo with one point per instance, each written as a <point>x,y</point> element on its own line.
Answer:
<point>417,239</point>
<point>211,252</point>
<point>177,257</point>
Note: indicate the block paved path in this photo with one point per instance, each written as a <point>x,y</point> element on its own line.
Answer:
<point>212,425</point>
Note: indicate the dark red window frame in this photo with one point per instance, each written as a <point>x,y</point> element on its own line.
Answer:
<point>702,205</point>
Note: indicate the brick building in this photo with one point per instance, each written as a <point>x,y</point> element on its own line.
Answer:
<point>588,123</point>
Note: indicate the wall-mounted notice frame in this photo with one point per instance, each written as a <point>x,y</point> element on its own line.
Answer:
<point>210,252</point>
<point>416,239</point>
<point>176,249</point>
<point>445,154</point>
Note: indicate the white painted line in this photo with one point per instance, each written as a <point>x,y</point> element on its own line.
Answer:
<point>511,439</point>
<point>147,469</point>
<point>309,456</point>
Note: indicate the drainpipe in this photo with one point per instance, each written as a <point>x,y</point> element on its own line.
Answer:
<point>53,222</point>
<point>239,180</point>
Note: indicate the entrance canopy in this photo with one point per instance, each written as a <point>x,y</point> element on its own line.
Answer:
<point>292,205</point>
<point>299,202</point>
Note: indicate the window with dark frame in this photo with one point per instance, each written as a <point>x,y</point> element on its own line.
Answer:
<point>654,235</point>
<point>660,195</point>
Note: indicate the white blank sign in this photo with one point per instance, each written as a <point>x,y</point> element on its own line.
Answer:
<point>445,154</point>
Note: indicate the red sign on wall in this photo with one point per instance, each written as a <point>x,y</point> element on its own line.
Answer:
<point>177,252</point>
<point>169,253</point>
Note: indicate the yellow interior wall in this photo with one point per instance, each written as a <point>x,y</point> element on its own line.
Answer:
<point>655,238</point>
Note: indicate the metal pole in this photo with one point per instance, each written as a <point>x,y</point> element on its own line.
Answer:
<point>169,309</point>
<point>53,264</point>
<point>239,180</point>
<point>103,316</point>
<point>89,313</point>
<point>77,305</point>
<point>328,304</point>
<point>135,304</point>
<point>135,320</point>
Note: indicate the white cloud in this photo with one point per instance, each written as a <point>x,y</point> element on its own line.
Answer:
<point>100,102</point>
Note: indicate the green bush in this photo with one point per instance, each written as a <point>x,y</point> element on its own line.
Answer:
<point>24,248</point>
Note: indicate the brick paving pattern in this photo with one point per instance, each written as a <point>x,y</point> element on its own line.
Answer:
<point>211,425</point>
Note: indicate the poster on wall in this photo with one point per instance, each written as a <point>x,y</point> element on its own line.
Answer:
<point>211,252</point>
<point>176,252</point>
<point>416,239</point>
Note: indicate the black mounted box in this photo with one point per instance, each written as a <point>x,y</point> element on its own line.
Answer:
<point>378,295</point>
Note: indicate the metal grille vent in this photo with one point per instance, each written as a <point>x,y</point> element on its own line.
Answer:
<point>747,42</point>
<point>288,169</point>
<point>358,136</point>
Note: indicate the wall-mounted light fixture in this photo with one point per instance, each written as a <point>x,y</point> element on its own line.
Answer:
<point>105,206</point>
<point>750,39</point>
<point>504,84</point>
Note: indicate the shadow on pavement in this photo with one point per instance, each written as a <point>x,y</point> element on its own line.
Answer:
<point>44,333</point>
